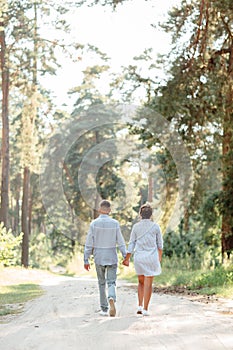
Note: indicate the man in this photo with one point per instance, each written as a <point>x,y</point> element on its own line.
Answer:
<point>103,237</point>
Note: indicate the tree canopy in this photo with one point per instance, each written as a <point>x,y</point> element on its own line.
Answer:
<point>174,150</point>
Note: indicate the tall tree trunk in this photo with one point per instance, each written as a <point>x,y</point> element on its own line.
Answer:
<point>150,188</point>
<point>95,211</point>
<point>25,229</point>
<point>98,197</point>
<point>227,150</point>
<point>30,205</point>
<point>26,181</point>
<point>5,131</point>
<point>16,226</point>
<point>186,219</point>
<point>150,192</point>
<point>227,215</point>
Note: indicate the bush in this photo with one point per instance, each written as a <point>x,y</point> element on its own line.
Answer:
<point>40,251</point>
<point>47,251</point>
<point>200,246</point>
<point>9,246</point>
<point>188,246</point>
<point>218,277</point>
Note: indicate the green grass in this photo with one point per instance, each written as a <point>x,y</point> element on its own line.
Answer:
<point>218,281</point>
<point>12,297</point>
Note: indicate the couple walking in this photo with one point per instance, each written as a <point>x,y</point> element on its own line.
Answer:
<point>103,238</point>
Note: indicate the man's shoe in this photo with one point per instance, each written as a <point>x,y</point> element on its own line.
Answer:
<point>112,311</point>
<point>103,313</point>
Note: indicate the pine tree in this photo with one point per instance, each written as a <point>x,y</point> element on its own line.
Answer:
<point>5,152</point>
<point>198,96</point>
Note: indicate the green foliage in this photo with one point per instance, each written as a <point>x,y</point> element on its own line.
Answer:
<point>40,251</point>
<point>19,293</point>
<point>199,247</point>
<point>181,274</point>
<point>197,98</point>
<point>210,210</point>
<point>50,250</point>
<point>15,295</point>
<point>35,36</point>
<point>62,247</point>
<point>219,277</point>
<point>182,245</point>
<point>184,273</point>
<point>193,99</point>
<point>9,246</point>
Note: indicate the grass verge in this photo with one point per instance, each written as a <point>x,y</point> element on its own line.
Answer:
<point>13,297</point>
<point>17,286</point>
<point>218,281</point>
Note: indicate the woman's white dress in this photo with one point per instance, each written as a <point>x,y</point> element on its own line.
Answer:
<point>145,240</point>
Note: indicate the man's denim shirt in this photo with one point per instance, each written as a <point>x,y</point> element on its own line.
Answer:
<point>103,237</point>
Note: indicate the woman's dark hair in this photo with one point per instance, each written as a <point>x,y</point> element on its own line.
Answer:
<point>145,211</point>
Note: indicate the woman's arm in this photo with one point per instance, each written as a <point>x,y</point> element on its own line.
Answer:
<point>131,246</point>
<point>160,251</point>
<point>159,242</point>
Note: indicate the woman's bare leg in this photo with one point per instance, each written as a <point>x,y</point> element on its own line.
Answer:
<point>148,280</point>
<point>140,289</point>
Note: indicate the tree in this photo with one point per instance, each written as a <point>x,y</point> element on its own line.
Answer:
<point>5,152</point>
<point>27,53</point>
<point>29,115</point>
<point>198,96</point>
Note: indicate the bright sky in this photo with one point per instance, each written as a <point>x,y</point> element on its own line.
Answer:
<point>121,34</point>
<point>124,32</point>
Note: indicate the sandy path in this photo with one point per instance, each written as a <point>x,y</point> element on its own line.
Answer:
<point>66,317</point>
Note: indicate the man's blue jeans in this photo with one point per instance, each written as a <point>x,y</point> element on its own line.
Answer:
<point>106,274</point>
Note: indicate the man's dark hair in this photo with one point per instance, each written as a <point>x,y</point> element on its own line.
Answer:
<point>104,203</point>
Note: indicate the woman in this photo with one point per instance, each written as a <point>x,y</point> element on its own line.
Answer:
<point>147,244</point>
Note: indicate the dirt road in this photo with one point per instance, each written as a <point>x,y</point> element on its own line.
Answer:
<point>66,317</point>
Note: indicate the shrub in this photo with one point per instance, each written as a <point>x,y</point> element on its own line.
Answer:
<point>9,246</point>
<point>218,277</point>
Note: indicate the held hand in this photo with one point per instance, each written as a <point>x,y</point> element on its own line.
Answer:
<point>126,262</point>
<point>87,267</point>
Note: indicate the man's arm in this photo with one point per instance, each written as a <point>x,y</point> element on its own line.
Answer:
<point>88,248</point>
<point>121,242</point>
